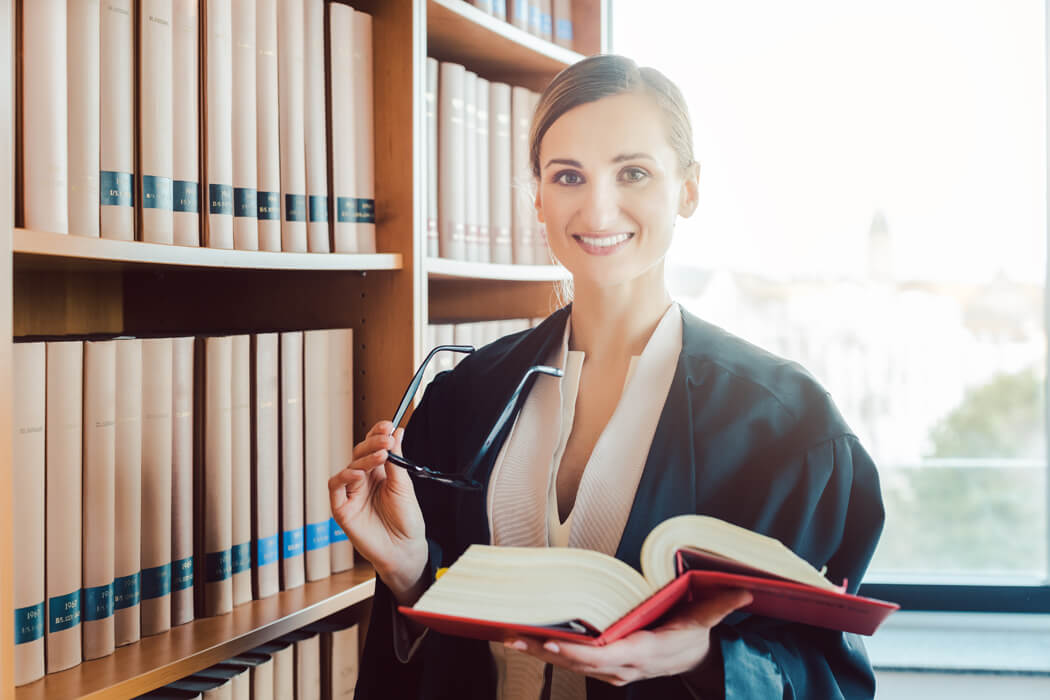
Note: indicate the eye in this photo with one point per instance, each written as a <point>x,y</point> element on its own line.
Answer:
<point>633,174</point>
<point>568,177</point>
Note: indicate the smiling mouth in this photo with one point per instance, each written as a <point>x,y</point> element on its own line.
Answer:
<point>602,245</point>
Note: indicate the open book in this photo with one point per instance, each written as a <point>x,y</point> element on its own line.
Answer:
<point>590,597</point>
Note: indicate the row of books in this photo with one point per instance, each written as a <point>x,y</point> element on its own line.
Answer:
<point>477,334</point>
<point>162,479</point>
<point>231,106</point>
<point>548,19</point>
<point>316,662</point>
<point>479,182</point>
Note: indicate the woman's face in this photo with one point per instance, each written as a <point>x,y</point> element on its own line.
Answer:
<point>610,188</point>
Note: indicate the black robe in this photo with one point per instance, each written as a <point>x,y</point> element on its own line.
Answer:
<point>744,436</point>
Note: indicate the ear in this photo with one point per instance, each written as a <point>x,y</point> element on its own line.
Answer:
<point>690,194</point>
<point>538,203</point>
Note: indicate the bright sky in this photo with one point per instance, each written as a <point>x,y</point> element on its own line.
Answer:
<point>812,114</point>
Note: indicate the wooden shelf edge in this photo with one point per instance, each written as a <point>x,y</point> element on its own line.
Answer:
<point>443,268</point>
<point>161,659</point>
<point>78,249</point>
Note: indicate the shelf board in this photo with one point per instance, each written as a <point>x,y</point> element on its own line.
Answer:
<point>164,658</point>
<point>445,269</point>
<point>36,249</point>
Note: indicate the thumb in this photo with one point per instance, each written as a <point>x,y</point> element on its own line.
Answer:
<point>398,476</point>
<point>712,610</point>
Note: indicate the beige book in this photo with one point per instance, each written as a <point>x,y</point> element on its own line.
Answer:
<point>64,431</point>
<point>432,157</point>
<point>260,673</point>
<point>293,572</point>
<point>452,214</point>
<point>499,9</point>
<point>341,429</point>
<point>265,430</point>
<point>156,484</point>
<point>214,476</point>
<point>185,63</point>
<point>156,89</point>
<point>546,19</point>
<point>481,160</point>
<point>499,179</point>
<point>470,169</point>
<point>341,89</point>
<point>339,654</point>
<point>100,414</point>
<point>236,674</point>
<point>462,334</point>
<point>364,133</point>
<point>127,561</point>
<point>241,463</point>
<point>117,120</point>
<point>245,145</point>
<point>218,123</point>
<point>208,688</point>
<point>444,334</point>
<point>83,35</point>
<point>519,13</point>
<point>522,206</point>
<point>268,126</point>
<point>535,18</point>
<point>182,510</point>
<point>562,11</point>
<point>291,106</point>
<point>283,655</point>
<point>540,252</point>
<point>45,165</point>
<point>316,138</point>
<point>29,394</point>
<point>316,397</point>
<point>484,5</point>
<point>307,664</point>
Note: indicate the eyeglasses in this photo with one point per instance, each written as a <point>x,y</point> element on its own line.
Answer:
<point>464,480</point>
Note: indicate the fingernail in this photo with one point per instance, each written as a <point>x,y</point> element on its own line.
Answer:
<point>552,647</point>
<point>517,644</point>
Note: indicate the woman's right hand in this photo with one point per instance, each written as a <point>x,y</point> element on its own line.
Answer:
<point>373,500</point>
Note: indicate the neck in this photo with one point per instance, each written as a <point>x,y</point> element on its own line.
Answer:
<point>618,320</point>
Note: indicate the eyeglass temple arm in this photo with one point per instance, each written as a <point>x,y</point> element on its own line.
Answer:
<point>508,410</point>
<point>418,377</point>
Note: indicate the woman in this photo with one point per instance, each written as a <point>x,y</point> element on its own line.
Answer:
<point>658,414</point>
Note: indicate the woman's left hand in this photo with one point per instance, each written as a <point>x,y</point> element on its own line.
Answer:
<point>678,646</point>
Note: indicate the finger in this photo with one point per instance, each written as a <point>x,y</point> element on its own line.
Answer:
<point>621,653</point>
<point>372,443</point>
<point>383,427</point>
<point>358,466</point>
<point>398,475</point>
<point>712,610</point>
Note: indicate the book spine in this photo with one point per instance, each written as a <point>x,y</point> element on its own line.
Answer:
<point>268,127</point>
<point>432,158</point>
<point>364,134</point>
<point>308,667</point>
<point>218,124</point>
<point>45,166</point>
<point>185,99</point>
<point>451,134</point>
<point>499,9</point>
<point>481,127</point>
<point>83,47</point>
<point>156,154</point>
<point>241,463</point>
<point>100,412</point>
<point>499,174</point>
<point>317,232</point>
<point>156,484</point>
<point>519,13</point>
<point>483,5</point>
<point>291,99</point>
<point>341,429</point>
<point>182,573</point>
<point>245,145</point>
<point>117,121</point>
<point>535,18</point>
<point>316,382</point>
<point>293,573</point>
<point>284,672</point>
<point>29,392</point>
<point>339,649</point>
<point>127,544</point>
<point>63,435</point>
<point>546,20</point>
<point>521,201</point>
<point>562,10</point>
<point>341,88</point>
<point>470,170</point>
<point>540,253</point>
<point>265,430</point>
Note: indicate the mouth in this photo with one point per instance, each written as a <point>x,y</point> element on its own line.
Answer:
<point>602,244</point>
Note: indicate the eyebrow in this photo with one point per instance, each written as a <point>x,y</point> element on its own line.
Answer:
<point>576,164</point>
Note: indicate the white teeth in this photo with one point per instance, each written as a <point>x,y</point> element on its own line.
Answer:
<point>605,241</point>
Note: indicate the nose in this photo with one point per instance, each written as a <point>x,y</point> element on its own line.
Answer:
<point>601,206</point>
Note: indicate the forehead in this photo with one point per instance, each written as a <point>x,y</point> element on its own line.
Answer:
<point>605,128</point>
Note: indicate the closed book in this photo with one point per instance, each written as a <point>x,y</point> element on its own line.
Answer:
<point>83,37</point>
<point>307,646</point>
<point>245,147</point>
<point>117,120</point>
<point>546,19</point>
<point>169,693</point>
<point>317,233</point>
<point>499,9</point>
<point>316,383</point>
<point>268,126</point>
<point>341,429</point>
<point>540,253</point>
<point>64,432</point>
<point>100,443</point>
<point>218,123</point>
<point>260,673</point>
<point>452,214</point>
<point>156,128</point>
<point>535,17</point>
<point>283,655</point>
<point>341,91</point>
<point>127,560</point>
<point>182,574</point>
<point>522,207</point>
<point>293,572</point>
<point>45,165</point>
<point>265,430</point>
<point>481,165</point>
<point>236,674</point>
<point>499,180</point>
<point>364,134</point>
<point>432,157</point>
<point>28,482</point>
<point>470,169</point>
<point>241,465</point>
<point>156,484</point>
<point>483,5</point>
<point>339,661</point>
<point>185,139</point>
<point>291,104</point>
<point>519,13</point>
<point>208,688</point>
<point>562,10</point>
<point>213,488</point>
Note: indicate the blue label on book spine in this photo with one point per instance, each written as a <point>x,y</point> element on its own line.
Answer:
<point>245,202</point>
<point>335,533</point>
<point>366,211</point>
<point>521,10</point>
<point>98,602</point>
<point>116,189</point>
<point>316,536</point>
<point>187,196</point>
<point>346,210</point>
<point>182,574</point>
<point>126,591</point>
<point>63,612</point>
<point>217,566</point>
<point>563,29</point>
<point>295,207</point>
<point>268,206</point>
<point>242,557</point>
<point>546,24</point>
<point>29,623</point>
<point>156,581</point>
<point>319,208</point>
<point>156,192</point>
<point>220,199</point>
<point>266,550</point>
<point>534,16</point>
<point>292,543</point>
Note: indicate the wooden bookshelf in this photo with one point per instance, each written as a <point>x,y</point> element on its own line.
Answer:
<point>442,269</point>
